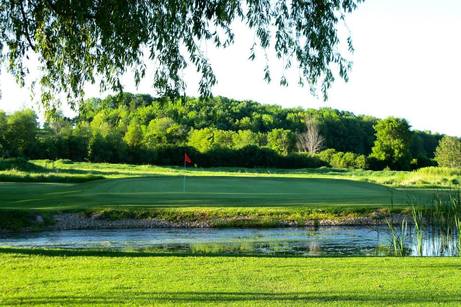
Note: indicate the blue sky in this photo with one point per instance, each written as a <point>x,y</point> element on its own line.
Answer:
<point>407,64</point>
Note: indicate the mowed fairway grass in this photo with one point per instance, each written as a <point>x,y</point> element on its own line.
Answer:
<point>206,191</point>
<point>33,277</point>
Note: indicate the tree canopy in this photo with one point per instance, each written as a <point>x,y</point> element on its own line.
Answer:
<point>393,141</point>
<point>217,131</point>
<point>448,152</point>
<point>77,41</point>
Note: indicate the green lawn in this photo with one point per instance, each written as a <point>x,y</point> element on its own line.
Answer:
<point>36,277</point>
<point>206,191</point>
<point>65,171</point>
<point>218,197</point>
<point>80,278</point>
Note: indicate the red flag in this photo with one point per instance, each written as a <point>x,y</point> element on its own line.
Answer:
<point>187,159</point>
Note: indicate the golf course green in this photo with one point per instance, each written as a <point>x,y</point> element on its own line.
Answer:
<point>220,197</point>
<point>206,191</point>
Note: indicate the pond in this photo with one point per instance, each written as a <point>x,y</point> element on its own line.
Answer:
<point>308,242</point>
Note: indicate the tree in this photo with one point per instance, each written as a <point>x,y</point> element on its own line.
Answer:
<point>448,152</point>
<point>106,148</point>
<point>133,136</point>
<point>163,131</point>
<point>77,41</point>
<point>81,136</point>
<point>55,138</point>
<point>223,139</point>
<point>310,140</point>
<point>280,140</point>
<point>245,138</point>
<point>345,131</point>
<point>393,141</point>
<point>201,139</point>
<point>98,149</point>
<point>21,133</point>
<point>3,127</point>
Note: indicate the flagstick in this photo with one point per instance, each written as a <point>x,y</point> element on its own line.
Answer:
<point>184,181</point>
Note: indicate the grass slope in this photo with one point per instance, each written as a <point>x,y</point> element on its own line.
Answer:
<point>77,278</point>
<point>212,191</point>
<point>68,171</point>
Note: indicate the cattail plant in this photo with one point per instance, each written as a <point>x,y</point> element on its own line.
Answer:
<point>418,224</point>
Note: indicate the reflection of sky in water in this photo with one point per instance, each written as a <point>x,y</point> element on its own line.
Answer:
<point>323,241</point>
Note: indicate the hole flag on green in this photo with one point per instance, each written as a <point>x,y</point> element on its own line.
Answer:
<point>187,159</point>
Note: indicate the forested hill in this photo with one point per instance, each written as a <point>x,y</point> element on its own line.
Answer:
<point>218,131</point>
<point>342,130</point>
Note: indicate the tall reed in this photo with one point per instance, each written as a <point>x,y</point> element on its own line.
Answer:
<point>440,222</point>
<point>443,219</point>
<point>458,234</point>
<point>419,231</point>
<point>398,237</point>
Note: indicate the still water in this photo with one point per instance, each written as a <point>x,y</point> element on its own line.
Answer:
<point>308,242</point>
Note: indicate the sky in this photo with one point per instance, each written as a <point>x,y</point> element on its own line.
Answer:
<point>407,63</point>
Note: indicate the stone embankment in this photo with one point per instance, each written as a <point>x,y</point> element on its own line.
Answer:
<point>76,221</point>
<point>73,221</point>
<point>69,221</point>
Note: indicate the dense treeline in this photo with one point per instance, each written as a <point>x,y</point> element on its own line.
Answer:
<point>343,131</point>
<point>219,131</point>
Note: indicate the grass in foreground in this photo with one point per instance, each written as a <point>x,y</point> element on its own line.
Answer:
<point>33,277</point>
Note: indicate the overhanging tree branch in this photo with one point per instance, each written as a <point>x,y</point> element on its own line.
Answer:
<point>79,40</point>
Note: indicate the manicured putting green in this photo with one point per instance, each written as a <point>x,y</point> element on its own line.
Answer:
<point>167,191</point>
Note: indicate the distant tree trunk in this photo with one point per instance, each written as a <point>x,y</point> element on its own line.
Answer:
<point>310,141</point>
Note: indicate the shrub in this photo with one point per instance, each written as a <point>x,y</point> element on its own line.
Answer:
<point>326,155</point>
<point>375,164</point>
<point>340,159</point>
<point>421,162</point>
<point>361,162</point>
<point>281,140</point>
<point>448,152</point>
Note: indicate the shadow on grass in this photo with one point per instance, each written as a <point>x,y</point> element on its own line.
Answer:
<point>265,170</point>
<point>20,165</point>
<point>116,254</point>
<point>139,254</point>
<point>381,297</point>
<point>145,254</point>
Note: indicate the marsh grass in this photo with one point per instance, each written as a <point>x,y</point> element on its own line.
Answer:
<point>398,237</point>
<point>458,229</point>
<point>437,228</point>
<point>445,212</point>
<point>417,216</point>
